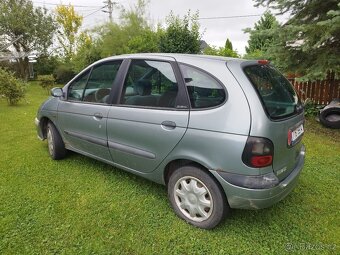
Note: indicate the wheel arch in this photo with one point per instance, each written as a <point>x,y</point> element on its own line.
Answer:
<point>44,120</point>
<point>43,125</point>
<point>174,164</point>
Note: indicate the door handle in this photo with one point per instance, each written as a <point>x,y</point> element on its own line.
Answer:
<point>98,115</point>
<point>169,124</point>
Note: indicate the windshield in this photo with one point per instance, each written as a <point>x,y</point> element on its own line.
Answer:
<point>276,92</point>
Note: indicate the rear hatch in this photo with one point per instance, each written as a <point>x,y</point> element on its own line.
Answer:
<point>285,118</point>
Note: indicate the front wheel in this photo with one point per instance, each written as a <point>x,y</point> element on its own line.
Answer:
<point>56,146</point>
<point>196,197</point>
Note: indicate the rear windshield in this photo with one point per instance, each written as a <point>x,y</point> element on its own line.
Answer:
<point>276,92</point>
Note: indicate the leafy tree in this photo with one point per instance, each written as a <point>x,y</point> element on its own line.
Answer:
<point>262,36</point>
<point>47,82</point>
<point>181,35</point>
<point>226,51</point>
<point>113,40</point>
<point>308,43</point>
<point>11,88</point>
<point>34,26</point>
<point>69,23</point>
<point>63,73</point>
<point>147,42</point>
<point>133,34</point>
<point>88,51</point>
<point>228,45</point>
<point>46,64</point>
<point>212,50</point>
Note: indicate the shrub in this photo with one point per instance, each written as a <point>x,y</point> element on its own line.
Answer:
<point>63,74</point>
<point>47,82</point>
<point>311,109</point>
<point>11,88</point>
<point>46,64</point>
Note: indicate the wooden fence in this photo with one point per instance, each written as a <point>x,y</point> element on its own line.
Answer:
<point>320,92</point>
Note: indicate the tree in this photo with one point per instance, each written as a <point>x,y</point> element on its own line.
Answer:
<point>69,23</point>
<point>88,51</point>
<point>147,42</point>
<point>32,25</point>
<point>261,36</point>
<point>181,35</point>
<point>226,51</point>
<point>308,43</point>
<point>134,33</point>
<point>46,64</point>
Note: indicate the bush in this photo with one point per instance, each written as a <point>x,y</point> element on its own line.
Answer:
<point>46,64</point>
<point>47,82</point>
<point>11,88</point>
<point>63,74</point>
<point>311,109</point>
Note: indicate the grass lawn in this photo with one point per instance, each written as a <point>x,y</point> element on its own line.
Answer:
<point>81,206</point>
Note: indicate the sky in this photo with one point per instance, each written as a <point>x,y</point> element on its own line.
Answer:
<point>215,31</point>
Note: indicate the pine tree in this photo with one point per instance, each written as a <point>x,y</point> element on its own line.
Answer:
<point>308,43</point>
<point>261,36</point>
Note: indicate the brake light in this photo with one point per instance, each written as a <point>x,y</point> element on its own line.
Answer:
<point>261,161</point>
<point>263,62</point>
<point>289,137</point>
<point>258,152</point>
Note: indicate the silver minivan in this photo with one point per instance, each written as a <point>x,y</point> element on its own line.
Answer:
<point>220,133</point>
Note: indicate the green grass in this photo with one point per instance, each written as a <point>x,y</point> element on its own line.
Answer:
<point>81,206</point>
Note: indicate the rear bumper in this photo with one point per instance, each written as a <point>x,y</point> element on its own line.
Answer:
<point>244,198</point>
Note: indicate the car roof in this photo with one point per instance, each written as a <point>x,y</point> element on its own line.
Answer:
<point>176,56</point>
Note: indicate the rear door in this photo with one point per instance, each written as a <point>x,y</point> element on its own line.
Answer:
<point>83,115</point>
<point>151,117</point>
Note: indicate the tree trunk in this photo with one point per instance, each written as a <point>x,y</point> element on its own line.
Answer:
<point>22,63</point>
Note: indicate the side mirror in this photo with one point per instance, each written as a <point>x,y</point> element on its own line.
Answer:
<point>57,92</point>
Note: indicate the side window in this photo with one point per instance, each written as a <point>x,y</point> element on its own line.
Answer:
<point>97,87</point>
<point>100,82</point>
<point>150,83</point>
<point>204,91</point>
<point>76,89</point>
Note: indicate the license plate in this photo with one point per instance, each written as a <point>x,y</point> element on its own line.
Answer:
<point>296,133</point>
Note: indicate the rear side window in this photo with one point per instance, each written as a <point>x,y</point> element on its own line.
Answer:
<point>204,90</point>
<point>276,92</point>
<point>150,83</point>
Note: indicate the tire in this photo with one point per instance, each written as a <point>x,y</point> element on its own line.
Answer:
<point>325,114</point>
<point>202,203</point>
<point>56,146</point>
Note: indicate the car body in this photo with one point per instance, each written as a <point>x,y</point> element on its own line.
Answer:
<point>219,132</point>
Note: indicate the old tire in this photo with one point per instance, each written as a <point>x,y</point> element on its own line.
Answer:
<point>326,120</point>
<point>196,197</point>
<point>56,146</point>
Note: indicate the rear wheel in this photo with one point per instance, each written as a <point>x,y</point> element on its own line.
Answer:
<point>196,197</point>
<point>56,146</point>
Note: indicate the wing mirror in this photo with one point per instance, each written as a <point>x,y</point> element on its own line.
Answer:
<point>57,92</point>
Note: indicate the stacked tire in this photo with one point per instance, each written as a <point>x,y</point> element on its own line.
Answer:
<point>330,115</point>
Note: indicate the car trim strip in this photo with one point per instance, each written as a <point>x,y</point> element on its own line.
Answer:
<point>131,150</point>
<point>87,138</point>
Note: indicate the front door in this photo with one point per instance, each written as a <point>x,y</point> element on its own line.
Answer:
<point>83,115</point>
<point>151,118</point>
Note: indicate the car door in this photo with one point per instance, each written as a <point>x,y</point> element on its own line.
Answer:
<point>151,117</point>
<point>83,114</point>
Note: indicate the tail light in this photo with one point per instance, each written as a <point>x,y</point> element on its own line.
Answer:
<point>289,138</point>
<point>263,62</point>
<point>258,152</point>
